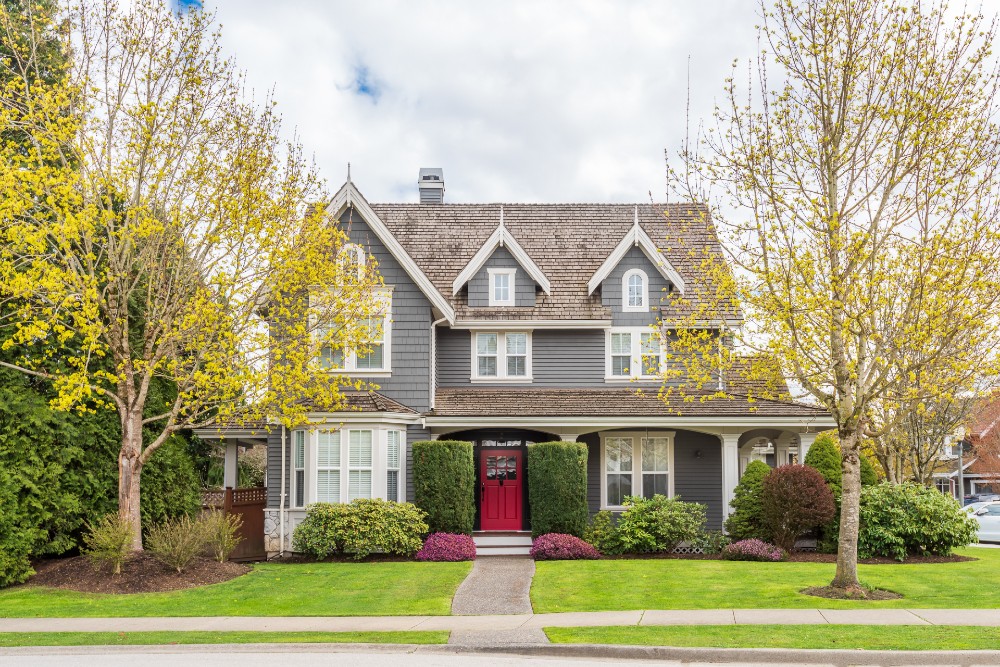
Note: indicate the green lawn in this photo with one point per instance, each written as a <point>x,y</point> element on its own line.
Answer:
<point>271,589</point>
<point>142,638</point>
<point>610,585</point>
<point>865,637</point>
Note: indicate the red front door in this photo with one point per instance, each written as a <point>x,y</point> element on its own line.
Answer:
<point>500,475</point>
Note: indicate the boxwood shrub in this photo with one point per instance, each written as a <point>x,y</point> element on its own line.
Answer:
<point>444,484</point>
<point>557,488</point>
<point>899,520</point>
<point>658,524</point>
<point>360,528</point>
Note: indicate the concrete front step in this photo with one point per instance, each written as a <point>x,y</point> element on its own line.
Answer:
<point>507,543</point>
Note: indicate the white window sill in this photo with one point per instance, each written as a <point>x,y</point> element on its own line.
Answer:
<point>499,380</point>
<point>620,379</point>
<point>368,374</point>
<point>635,309</point>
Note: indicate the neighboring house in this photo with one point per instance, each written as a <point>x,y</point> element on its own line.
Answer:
<point>518,323</point>
<point>980,467</point>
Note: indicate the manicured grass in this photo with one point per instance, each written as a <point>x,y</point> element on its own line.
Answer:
<point>141,638</point>
<point>864,637</point>
<point>271,589</point>
<point>611,585</point>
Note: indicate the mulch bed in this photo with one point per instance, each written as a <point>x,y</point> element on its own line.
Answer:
<point>140,574</point>
<point>805,557</point>
<point>870,594</point>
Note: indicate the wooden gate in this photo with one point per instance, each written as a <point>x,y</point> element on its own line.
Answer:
<point>249,505</point>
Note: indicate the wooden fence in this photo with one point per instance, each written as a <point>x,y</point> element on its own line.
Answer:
<point>249,505</point>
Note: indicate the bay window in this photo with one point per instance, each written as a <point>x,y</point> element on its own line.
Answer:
<point>359,464</point>
<point>328,466</point>
<point>338,465</point>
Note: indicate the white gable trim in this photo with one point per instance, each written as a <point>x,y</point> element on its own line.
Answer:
<point>349,195</point>
<point>501,238</point>
<point>636,236</point>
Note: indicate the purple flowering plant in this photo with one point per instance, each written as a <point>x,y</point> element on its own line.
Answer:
<point>753,549</point>
<point>557,546</point>
<point>447,547</point>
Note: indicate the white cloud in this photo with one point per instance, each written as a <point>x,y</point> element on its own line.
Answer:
<point>523,101</point>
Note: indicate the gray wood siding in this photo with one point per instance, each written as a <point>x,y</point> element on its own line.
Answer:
<point>411,322</point>
<point>479,286</point>
<point>611,290</point>
<point>274,465</point>
<point>559,358</point>
<point>697,479</point>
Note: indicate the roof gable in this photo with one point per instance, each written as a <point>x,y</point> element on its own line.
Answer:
<point>349,195</point>
<point>501,238</point>
<point>636,237</point>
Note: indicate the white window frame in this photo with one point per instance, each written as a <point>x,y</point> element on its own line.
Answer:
<point>637,472</point>
<point>636,366</point>
<point>501,375</point>
<point>511,279</point>
<point>642,307</point>
<point>350,356</point>
<point>341,433</point>
<point>400,436</point>
<point>337,443</point>
<point>355,254</point>
<point>353,467</point>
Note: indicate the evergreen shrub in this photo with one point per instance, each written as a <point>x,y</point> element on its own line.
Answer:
<point>360,528</point>
<point>557,488</point>
<point>444,484</point>
<point>747,518</point>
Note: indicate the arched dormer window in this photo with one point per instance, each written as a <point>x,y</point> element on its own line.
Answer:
<point>635,291</point>
<point>353,255</point>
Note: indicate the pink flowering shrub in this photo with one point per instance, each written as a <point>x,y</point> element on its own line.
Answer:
<point>441,547</point>
<point>557,546</point>
<point>753,549</point>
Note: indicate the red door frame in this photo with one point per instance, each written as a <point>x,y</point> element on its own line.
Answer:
<point>500,498</point>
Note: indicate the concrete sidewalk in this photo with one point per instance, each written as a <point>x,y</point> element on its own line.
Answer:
<point>492,623</point>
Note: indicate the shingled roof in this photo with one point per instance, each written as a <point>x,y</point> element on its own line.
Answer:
<point>521,402</point>
<point>569,242</point>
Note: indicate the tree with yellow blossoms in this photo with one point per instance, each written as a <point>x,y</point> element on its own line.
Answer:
<point>856,184</point>
<point>154,226</point>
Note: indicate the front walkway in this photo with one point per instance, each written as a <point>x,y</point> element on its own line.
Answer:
<point>510,622</point>
<point>496,585</point>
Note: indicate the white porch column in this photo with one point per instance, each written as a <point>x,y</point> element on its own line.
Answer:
<point>567,437</point>
<point>805,442</point>
<point>730,469</point>
<point>781,447</point>
<point>230,476</point>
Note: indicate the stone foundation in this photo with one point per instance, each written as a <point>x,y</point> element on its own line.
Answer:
<point>272,529</point>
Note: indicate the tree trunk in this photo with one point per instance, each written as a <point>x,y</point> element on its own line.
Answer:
<point>129,474</point>
<point>850,505</point>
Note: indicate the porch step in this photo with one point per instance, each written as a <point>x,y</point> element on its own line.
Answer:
<point>512,543</point>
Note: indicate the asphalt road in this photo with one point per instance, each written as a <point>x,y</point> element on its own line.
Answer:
<point>309,655</point>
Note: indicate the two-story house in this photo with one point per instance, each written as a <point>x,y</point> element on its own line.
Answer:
<point>508,324</point>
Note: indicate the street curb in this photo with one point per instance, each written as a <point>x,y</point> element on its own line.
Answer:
<point>839,657</point>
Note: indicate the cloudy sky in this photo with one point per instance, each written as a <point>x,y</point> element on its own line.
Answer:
<point>518,101</point>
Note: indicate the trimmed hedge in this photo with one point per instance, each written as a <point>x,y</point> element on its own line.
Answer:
<point>557,488</point>
<point>360,528</point>
<point>444,484</point>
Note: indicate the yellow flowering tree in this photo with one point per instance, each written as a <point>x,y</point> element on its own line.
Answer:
<point>153,226</point>
<point>857,187</point>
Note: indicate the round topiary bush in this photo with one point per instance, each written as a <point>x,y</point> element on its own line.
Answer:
<point>795,499</point>
<point>747,518</point>
<point>447,547</point>
<point>753,549</point>
<point>556,546</point>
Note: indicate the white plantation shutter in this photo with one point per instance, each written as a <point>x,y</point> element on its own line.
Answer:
<point>328,454</point>
<point>328,467</point>
<point>360,465</point>
<point>393,439</point>
<point>328,486</point>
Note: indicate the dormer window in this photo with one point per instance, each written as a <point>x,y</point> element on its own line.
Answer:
<point>353,256</point>
<point>635,291</point>
<point>501,286</point>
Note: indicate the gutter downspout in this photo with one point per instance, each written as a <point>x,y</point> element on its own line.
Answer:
<point>433,383</point>
<point>282,499</point>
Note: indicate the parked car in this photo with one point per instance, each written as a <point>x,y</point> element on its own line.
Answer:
<point>988,516</point>
<point>981,498</point>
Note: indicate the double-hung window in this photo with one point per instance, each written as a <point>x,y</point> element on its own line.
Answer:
<point>394,441</point>
<point>328,466</point>
<point>375,358</point>
<point>635,464</point>
<point>501,356</point>
<point>359,464</point>
<point>501,282</point>
<point>634,352</point>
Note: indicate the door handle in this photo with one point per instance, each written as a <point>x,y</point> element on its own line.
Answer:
<point>482,495</point>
